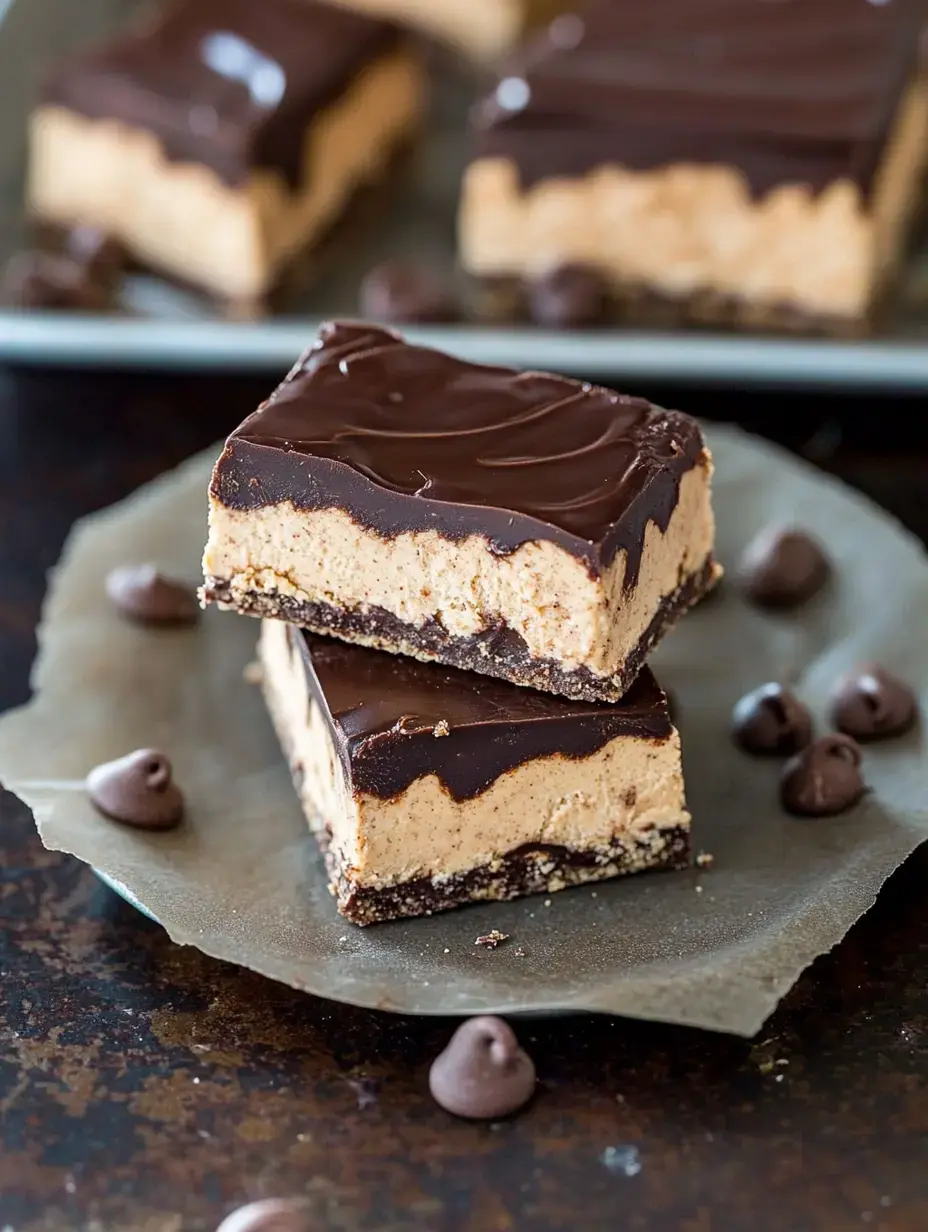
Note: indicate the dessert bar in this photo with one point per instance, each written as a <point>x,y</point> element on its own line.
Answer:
<point>517,524</point>
<point>428,787</point>
<point>716,160</point>
<point>220,139</point>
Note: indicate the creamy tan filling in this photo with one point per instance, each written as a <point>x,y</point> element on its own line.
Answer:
<point>182,218</point>
<point>687,228</point>
<point>588,804</point>
<point>481,29</point>
<point>540,590</point>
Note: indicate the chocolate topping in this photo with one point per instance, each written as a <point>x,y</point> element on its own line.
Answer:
<point>269,1215</point>
<point>137,790</point>
<point>567,297</point>
<point>771,720</point>
<point>407,439</point>
<point>783,567</point>
<point>384,711</point>
<point>143,594</point>
<point>483,1073</point>
<point>824,778</point>
<point>52,281</point>
<point>792,91</point>
<point>400,291</point>
<point>231,84</point>
<point>872,704</point>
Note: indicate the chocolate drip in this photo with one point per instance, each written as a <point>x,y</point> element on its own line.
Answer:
<point>395,720</point>
<point>787,91</point>
<point>230,84</point>
<point>407,439</point>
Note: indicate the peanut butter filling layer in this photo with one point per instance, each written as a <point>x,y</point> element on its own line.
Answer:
<point>184,219</point>
<point>690,228</point>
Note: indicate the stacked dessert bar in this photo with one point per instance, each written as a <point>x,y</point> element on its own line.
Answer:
<point>495,553</point>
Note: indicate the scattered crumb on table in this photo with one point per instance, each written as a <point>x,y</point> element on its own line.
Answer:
<point>492,939</point>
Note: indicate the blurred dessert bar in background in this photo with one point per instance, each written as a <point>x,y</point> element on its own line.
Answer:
<point>481,29</point>
<point>517,524</point>
<point>429,787</point>
<point>218,141</point>
<point>742,162</point>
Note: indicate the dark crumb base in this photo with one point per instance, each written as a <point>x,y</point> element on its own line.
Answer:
<point>531,869</point>
<point>503,299</point>
<point>498,651</point>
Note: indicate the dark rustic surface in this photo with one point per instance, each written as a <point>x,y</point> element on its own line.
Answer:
<point>146,1087</point>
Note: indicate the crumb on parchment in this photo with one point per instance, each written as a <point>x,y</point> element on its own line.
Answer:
<point>492,939</point>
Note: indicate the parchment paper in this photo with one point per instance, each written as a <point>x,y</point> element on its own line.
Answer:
<point>242,880</point>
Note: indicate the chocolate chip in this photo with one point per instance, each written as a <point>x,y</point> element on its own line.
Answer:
<point>567,297</point>
<point>483,1073</point>
<point>46,280</point>
<point>95,250</point>
<point>270,1215</point>
<point>783,567</point>
<point>137,790</point>
<point>872,704</point>
<point>771,719</point>
<point>400,292</point>
<point>144,594</point>
<point>824,778</point>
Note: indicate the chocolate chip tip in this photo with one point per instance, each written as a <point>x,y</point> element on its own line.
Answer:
<point>144,594</point>
<point>270,1215</point>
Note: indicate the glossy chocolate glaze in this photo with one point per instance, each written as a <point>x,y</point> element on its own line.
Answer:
<point>230,84</point>
<point>408,439</point>
<point>787,91</point>
<point>383,711</point>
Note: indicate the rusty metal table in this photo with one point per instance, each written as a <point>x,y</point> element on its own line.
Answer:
<point>146,1087</point>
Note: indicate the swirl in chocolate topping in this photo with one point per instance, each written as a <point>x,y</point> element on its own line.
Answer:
<point>384,710</point>
<point>797,91</point>
<point>230,84</point>
<point>408,439</point>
